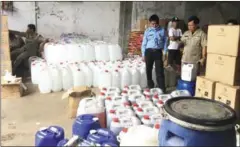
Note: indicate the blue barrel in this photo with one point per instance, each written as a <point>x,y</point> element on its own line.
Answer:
<point>197,122</point>
<point>83,124</point>
<point>102,136</point>
<point>62,142</point>
<point>185,85</point>
<point>49,136</point>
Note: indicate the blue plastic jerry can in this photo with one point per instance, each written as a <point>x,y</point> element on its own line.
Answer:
<point>49,136</point>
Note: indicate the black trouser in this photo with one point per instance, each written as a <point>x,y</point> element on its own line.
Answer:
<point>174,55</point>
<point>151,56</point>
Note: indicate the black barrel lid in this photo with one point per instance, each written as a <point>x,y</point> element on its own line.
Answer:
<point>200,111</point>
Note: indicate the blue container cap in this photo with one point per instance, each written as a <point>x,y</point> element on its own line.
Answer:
<point>101,136</point>
<point>87,119</point>
<point>51,131</point>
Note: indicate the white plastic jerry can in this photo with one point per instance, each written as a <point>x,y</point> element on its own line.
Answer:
<point>189,72</point>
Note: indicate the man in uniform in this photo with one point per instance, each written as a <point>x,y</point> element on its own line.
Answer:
<point>31,48</point>
<point>154,41</point>
<point>195,44</point>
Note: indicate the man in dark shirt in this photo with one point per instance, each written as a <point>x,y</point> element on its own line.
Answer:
<point>33,41</point>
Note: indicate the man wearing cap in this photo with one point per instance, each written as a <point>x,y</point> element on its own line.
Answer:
<point>174,34</point>
<point>154,42</point>
<point>195,44</point>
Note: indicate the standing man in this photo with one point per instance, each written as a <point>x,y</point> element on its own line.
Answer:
<point>195,44</point>
<point>31,48</point>
<point>154,41</point>
<point>174,35</point>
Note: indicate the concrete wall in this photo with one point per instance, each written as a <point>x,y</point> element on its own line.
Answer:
<point>208,12</point>
<point>99,20</point>
<point>25,14</point>
<point>111,21</point>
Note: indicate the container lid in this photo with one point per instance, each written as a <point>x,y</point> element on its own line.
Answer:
<point>112,111</point>
<point>139,109</point>
<point>200,111</point>
<point>115,120</point>
<point>160,102</point>
<point>125,130</point>
<point>146,117</point>
<point>155,96</point>
<point>157,126</point>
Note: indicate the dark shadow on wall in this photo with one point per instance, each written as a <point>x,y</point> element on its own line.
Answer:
<point>125,23</point>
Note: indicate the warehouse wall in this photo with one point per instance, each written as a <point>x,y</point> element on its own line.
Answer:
<point>24,14</point>
<point>98,20</point>
<point>208,12</point>
<point>111,21</point>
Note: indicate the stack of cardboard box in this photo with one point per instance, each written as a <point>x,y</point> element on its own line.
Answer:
<point>5,50</point>
<point>222,79</point>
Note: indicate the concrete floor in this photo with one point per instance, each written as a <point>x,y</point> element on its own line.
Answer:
<point>22,117</point>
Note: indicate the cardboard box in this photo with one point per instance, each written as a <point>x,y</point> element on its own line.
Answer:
<point>4,23</point>
<point>224,69</point>
<point>224,40</point>
<point>205,88</point>
<point>6,65</point>
<point>229,95</point>
<point>75,95</point>
<point>11,90</point>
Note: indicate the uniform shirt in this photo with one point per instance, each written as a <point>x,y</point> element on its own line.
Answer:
<point>173,45</point>
<point>193,44</point>
<point>154,38</point>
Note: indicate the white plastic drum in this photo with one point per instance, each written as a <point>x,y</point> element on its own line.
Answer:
<point>94,107</point>
<point>88,74</point>
<point>115,52</point>
<point>140,136</point>
<point>125,78</point>
<point>116,79</point>
<point>78,78</point>
<point>105,79</point>
<point>45,84</point>
<point>102,52</point>
<point>89,52</point>
<point>56,78</point>
<point>67,79</point>
<point>136,97</point>
<point>143,81</point>
<point>36,67</point>
<point>135,76</point>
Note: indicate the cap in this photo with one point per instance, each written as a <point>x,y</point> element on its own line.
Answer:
<point>139,109</point>
<point>146,117</point>
<point>125,130</point>
<point>112,111</point>
<point>115,119</point>
<point>175,19</point>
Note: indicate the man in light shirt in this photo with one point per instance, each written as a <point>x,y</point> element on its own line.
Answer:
<point>154,42</point>
<point>195,44</point>
<point>174,34</point>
